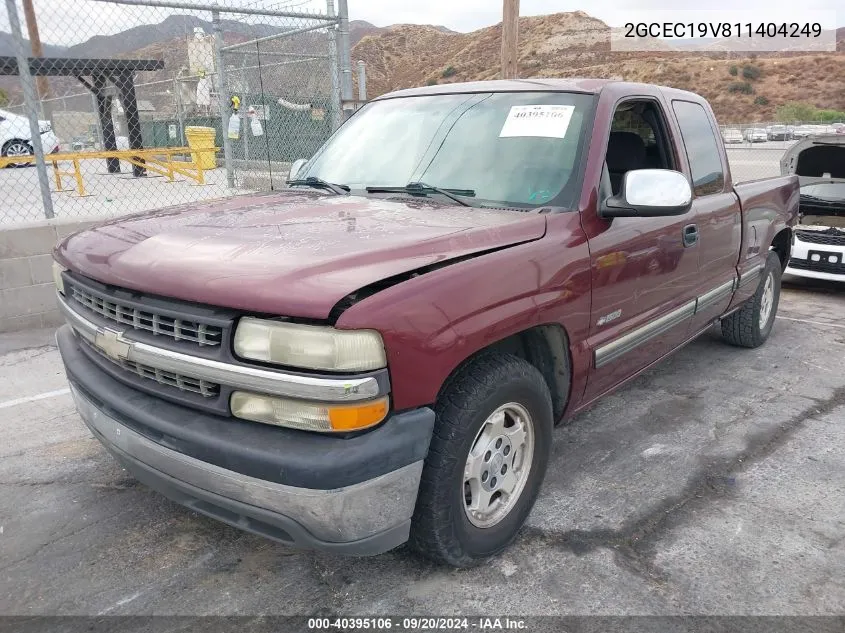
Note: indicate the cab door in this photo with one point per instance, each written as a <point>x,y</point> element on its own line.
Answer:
<point>715,211</point>
<point>644,270</point>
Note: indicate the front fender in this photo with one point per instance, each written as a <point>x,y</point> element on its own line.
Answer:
<point>433,323</point>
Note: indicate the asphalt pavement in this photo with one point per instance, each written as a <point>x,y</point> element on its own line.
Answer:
<point>712,484</point>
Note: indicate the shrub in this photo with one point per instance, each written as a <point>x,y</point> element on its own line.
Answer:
<point>761,101</point>
<point>741,86</point>
<point>797,111</point>
<point>733,70</point>
<point>431,82</point>
<point>831,116</point>
<point>449,72</point>
<point>751,72</point>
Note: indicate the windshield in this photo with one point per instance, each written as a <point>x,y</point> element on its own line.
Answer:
<point>507,149</point>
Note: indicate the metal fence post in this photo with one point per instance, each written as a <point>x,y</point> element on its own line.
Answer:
<point>345,55</point>
<point>180,115</point>
<point>32,109</point>
<point>221,97</point>
<point>362,82</point>
<point>334,67</point>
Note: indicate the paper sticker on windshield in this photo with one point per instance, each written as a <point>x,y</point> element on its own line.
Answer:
<point>550,121</point>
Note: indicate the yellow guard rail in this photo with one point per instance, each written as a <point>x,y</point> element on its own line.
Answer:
<point>158,160</point>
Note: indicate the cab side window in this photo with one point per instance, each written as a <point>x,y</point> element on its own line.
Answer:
<point>705,160</point>
<point>637,141</point>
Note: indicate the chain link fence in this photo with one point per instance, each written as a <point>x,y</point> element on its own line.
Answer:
<point>755,150</point>
<point>142,104</point>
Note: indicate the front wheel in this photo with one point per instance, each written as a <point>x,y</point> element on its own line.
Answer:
<point>17,147</point>
<point>751,325</point>
<point>486,462</point>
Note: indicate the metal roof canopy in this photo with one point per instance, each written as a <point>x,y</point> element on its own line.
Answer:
<point>120,72</point>
<point>76,67</point>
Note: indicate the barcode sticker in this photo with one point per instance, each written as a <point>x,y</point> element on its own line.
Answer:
<point>549,121</point>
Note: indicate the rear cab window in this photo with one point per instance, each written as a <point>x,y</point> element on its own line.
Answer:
<point>702,148</point>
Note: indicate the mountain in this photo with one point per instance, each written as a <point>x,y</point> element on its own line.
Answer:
<point>7,46</point>
<point>173,27</point>
<point>578,45</point>
<point>557,45</point>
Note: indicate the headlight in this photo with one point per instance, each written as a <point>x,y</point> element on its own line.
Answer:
<point>308,416</point>
<point>58,269</point>
<point>309,346</point>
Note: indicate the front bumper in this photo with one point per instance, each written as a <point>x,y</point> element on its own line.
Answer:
<point>349,496</point>
<point>801,264</point>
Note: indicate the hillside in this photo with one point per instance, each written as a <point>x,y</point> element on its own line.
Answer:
<point>575,44</point>
<point>404,55</point>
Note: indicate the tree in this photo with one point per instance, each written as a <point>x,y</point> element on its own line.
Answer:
<point>4,98</point>
<point>796,111</point>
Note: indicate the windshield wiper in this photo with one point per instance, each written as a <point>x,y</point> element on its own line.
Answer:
<point>422,189</point>
<point>319,183</point>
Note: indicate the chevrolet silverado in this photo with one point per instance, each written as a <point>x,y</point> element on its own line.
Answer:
<point>379,353</point>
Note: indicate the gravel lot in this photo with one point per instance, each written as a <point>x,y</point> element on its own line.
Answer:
<point>713,484</point>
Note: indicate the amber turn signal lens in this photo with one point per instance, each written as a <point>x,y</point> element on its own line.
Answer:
<point>356,417</point>
<point>308,416</point>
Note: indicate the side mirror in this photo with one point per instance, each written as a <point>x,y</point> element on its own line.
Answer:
<point>650,193</point>
<point>296,167</point>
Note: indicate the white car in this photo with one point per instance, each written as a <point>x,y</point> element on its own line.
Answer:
<point>818,245</point>
<point>15,137</point>
<point>756,135</point>
<point>803,131</point>
<point>732,135</point>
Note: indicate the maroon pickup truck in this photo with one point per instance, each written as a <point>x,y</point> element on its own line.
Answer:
<point>379,353</point>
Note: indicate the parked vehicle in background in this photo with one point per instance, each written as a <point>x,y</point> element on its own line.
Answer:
<point>16,138</point>
<point>803,131</point>
<point>732,135</point>
<point>756,135</point>
<point>818,249</point>
<point>379,353</point>
<point>778,133</point>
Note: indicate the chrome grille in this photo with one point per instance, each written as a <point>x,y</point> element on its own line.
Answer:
<point>831,237</point>
<point>149,320</point>
<point>183,383</point>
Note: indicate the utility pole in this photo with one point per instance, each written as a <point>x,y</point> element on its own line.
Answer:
<point>35,44</point>
<point>510,39</point>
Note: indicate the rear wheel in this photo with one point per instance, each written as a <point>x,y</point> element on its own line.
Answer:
<point>751,325</point>
<point>17,147</point>
<point>486,461</point>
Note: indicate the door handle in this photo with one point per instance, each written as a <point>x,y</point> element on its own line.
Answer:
<point>690,235</point>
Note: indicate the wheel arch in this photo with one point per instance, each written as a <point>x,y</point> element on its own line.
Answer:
<point>782,245</point>
<point>545,347</point>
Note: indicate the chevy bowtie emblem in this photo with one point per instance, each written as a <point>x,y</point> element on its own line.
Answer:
<point>112,344</point>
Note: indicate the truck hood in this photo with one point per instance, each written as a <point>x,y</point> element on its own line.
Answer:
<point>291,253</point>
<point>814,156</point>
<point>819,163</point>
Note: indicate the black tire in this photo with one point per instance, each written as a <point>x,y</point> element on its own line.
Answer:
<point>743,327</point>
<point>15,141</point>
<point>440,528</point>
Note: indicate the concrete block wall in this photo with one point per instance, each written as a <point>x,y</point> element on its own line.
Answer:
<point>27,294</point>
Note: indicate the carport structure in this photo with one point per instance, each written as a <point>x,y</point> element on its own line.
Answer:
<point>96,75</point>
